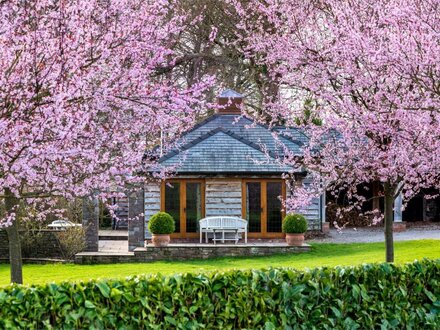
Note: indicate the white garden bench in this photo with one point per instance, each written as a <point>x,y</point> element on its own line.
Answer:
<point>223,225</point>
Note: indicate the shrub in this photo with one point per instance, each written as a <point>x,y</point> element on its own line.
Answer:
<point>31,238</point>
<point>53,244</point>
<point>161,223</point>
<point>40,243</point>
<point>294,224</point>
<point>72,241</point>
<point>364,297</point>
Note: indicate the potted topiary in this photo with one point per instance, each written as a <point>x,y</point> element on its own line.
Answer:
<point>161,225</point>
<point>294,225</point>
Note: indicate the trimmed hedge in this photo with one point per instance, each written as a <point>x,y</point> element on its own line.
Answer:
<point>367,297</point>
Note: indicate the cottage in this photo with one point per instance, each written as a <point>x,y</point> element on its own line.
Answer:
<point>226,165</point>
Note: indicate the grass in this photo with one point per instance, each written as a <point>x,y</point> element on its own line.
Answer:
<point>321,255</point>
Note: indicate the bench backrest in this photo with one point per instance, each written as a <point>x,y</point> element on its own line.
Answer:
<point>223,223</point>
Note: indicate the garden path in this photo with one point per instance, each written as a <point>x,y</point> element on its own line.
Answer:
<point>375,234</point>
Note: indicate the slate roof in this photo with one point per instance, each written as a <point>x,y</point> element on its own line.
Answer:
<point>294,134</point>
<point>244,127</point>
<point>231,144</point>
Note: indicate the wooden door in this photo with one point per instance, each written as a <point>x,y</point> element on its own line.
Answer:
<point>184,200</point>
<point>262,207</point>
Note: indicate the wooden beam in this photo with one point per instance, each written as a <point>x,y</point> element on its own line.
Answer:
<point>182,195</point>
<point>243,199</point>
<point>162,196</point>
<point>283,199</point>
<point>263,208</point>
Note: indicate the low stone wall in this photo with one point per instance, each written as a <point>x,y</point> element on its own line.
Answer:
<point>46,246</point>
<point>188,252</point>
<point>92,258</point>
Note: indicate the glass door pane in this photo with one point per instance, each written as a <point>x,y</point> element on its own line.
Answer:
<point>274,207</point>
<point>253,206</point>
<point>193,206</point>
<point>172,202</point>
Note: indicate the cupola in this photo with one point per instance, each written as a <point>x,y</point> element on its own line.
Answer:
<point>230,102</point>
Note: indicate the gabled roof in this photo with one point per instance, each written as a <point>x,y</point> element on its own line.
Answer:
<point>244,127</point>
<point>230,144</point>
<point>222,151</point>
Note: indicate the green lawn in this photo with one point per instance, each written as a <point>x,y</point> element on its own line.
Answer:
<point>321,255</point>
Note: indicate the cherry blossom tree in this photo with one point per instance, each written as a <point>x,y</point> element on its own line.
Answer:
<point>372,69</point>
<point>81,98</point>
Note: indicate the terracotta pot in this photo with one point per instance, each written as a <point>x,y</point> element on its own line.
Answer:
<point>295,239</point>
<point>160,240</point>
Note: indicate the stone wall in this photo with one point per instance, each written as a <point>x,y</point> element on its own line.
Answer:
<point>92,258</point>
<point>46,246</point>
<point>91,222</point>
<point>189,252</point>
<point>136,232</point>
<point>193,251</point>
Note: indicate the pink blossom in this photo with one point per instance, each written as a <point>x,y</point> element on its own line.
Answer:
<point>80,97</point>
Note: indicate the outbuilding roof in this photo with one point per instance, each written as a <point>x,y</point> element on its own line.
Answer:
<point>225,143</point>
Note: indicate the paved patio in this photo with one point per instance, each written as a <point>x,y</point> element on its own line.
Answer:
<point>118,246</point>
<point>113,246</point>
<point>348,235</point>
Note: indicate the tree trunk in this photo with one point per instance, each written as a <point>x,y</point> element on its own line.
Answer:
<point>388,222</point>
<point>14,240</point>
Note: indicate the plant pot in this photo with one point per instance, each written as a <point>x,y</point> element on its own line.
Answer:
<point>160,240</point>
<point>295,239</point>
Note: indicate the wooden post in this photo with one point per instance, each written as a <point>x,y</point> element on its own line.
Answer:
<point>325,226</point>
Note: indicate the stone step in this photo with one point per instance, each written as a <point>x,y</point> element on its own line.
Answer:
<point>113,235</point>
<point>113,238</point>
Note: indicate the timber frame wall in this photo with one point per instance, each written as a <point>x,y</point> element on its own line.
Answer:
<point>223,196</point>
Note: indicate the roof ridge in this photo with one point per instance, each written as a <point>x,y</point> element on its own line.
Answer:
<point>270,129</point>
<point>273,129</point>
<point>203,122</point>
<point>248,142</point>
